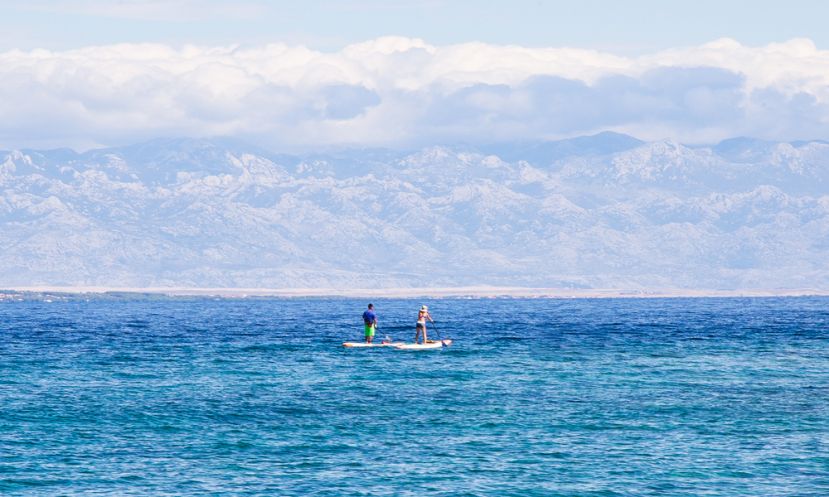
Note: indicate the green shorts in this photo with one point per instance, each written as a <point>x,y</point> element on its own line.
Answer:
<point>369,330</point>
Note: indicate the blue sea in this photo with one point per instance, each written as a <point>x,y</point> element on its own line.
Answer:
<point>571,397</point>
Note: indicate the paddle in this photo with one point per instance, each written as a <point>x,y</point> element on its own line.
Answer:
<point>438,332</point>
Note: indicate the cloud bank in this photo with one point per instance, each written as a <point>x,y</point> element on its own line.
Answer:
<point>396,91</point>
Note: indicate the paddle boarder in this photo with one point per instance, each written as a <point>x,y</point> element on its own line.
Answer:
<point>370,322</point>
<point>422,316</point>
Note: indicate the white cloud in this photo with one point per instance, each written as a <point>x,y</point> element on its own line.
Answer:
<point>396,91</point>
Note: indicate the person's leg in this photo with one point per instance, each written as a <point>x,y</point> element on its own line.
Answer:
<point>424,334</point>
<point>371,335</point>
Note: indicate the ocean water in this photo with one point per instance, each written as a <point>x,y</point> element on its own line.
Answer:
<point>606,397</point>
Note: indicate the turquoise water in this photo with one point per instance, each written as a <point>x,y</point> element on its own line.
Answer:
<point>536,397</point>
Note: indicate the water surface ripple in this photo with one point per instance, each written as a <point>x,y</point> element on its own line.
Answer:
<point>606,397</point>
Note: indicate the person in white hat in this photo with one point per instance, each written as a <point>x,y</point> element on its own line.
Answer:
<point>422,316</point>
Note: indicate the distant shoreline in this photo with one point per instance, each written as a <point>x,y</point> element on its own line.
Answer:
<point>434,292</point>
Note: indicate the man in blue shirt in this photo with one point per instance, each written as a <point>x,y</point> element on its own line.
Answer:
<point>370,322</point>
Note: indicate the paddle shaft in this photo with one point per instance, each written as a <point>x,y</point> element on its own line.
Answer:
<point>438,332</point>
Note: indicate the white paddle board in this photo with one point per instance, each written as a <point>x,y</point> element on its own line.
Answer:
<point>430,344</point>
<point>364,344</point>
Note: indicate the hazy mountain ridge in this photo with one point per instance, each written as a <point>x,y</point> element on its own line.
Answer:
<point>606,211</point>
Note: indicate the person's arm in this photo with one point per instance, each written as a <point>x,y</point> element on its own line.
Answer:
<point>430,318</point>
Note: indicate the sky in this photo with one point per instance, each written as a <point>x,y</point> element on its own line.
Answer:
<point>629,27</point>
<point>322,73</point>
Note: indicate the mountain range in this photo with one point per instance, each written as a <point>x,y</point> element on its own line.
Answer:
<point>601,211</point>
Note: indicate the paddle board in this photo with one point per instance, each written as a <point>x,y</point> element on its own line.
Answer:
<point>364,344</point>
<point>430,344</point>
